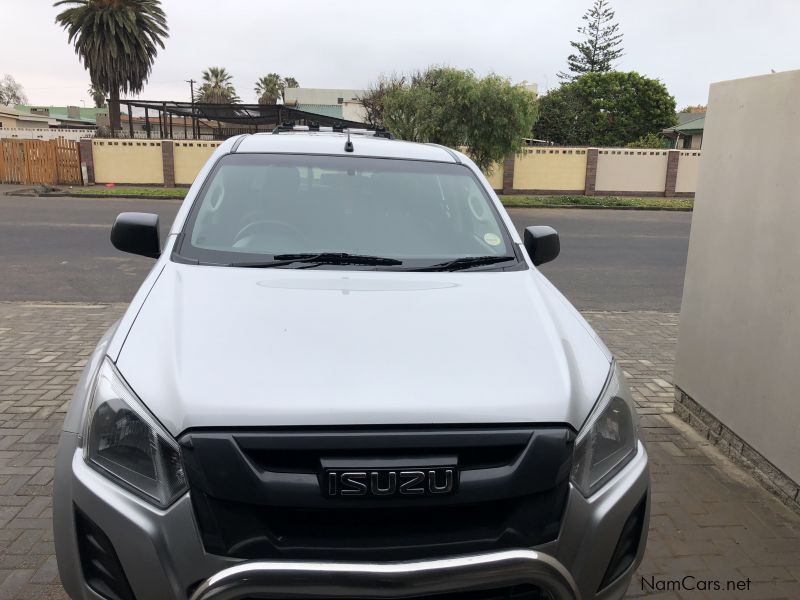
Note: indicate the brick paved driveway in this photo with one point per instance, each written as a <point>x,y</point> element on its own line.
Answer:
<point>710,519</point>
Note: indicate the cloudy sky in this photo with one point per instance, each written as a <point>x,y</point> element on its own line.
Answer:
<point>686,43</point>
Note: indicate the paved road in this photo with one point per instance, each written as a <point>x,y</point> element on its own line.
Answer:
<point>710,521</point>
<point>57,249</point>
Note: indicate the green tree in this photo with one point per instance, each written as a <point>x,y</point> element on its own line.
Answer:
<point>117,41</point>
<point>605,109</point>
<point>602,44</point>
<point>272,88</point>
<point>374,98</point>
<point>11,92</point>
<point>98,96</point>
<point>650,140</point>
<point>217,87</point>
<point>269,88</point>
<point>489,117</point>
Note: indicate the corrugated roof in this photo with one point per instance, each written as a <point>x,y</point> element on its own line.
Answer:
<point>685,117</point>
<point>694,125</point>
<point>87,114</point>
<point>20,114</point>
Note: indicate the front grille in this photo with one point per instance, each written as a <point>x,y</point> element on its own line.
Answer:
<point>258,494</point>
<point>101,568</point>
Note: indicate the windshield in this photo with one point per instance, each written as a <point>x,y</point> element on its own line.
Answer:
<point>305,211</point>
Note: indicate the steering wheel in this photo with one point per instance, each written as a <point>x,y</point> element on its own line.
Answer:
<point>265,226</point>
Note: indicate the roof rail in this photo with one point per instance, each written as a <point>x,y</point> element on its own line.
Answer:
<point>289,126</point>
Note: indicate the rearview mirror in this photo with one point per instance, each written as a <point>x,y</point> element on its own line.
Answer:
<point>136,233</point>
<point>542,243</point>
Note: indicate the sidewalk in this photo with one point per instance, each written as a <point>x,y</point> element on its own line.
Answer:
<point>710,520</point>
<point>8,187</point>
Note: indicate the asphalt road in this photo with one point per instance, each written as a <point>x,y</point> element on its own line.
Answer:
<point>57,249</point>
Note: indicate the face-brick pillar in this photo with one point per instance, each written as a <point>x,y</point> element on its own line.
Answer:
<point>508,174</point>
<point>673,158</point>
<point>87,159</point>
<point>168,158</point>
<point>591,171</point>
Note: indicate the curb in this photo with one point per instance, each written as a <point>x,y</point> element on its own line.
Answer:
<point>103,196</point>
<point>598,207</point>
<point>519,206</point>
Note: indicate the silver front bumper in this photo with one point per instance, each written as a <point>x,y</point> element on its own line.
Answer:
<point>289,579</point>
<point>163,556</point>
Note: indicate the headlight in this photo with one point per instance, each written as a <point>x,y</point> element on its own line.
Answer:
<point>608,440</point>
<point>122,440</point>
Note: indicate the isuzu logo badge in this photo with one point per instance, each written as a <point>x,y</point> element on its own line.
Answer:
<point>390,482</point>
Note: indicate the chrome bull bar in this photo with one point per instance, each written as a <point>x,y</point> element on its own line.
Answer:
<point>407,579</point>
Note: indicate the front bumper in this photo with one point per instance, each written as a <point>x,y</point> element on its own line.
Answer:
<point>163,557</point>
<point>283,579</point>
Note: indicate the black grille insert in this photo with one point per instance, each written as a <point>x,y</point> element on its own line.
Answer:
<point>259,494</point>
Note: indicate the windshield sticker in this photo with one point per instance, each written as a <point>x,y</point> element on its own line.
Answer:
<point>492,239</point>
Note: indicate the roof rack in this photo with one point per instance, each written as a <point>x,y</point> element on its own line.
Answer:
<point>289,126</point>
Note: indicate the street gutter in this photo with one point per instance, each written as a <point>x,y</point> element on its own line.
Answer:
<point>29,193</point>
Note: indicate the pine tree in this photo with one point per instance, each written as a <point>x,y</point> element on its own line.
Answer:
<point>602,46</point>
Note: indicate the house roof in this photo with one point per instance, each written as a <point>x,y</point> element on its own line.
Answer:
<point>10,111</point>
<point>685,117</point>
<point>693,126</point>
<point>88,115</point>
<point>329,110</point>
<point>690,127</point>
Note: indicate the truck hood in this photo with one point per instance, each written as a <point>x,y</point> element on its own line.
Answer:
<point>238,347</point>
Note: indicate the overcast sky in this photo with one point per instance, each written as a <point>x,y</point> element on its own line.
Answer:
<point>686,43</point>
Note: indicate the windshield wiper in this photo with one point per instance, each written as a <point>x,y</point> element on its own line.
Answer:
<point>465,262</point>
<point>322,258</point>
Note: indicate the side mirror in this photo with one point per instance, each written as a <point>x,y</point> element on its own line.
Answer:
<point>136,233</point>
<point>542,243</point>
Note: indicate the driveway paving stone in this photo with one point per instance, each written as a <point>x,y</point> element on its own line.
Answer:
<point>711,521</point>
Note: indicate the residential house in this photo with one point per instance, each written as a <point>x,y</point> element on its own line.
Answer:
<point>688,133</point>
<point>12,118</point>
<point>337,103</point>
<point>66,117</point>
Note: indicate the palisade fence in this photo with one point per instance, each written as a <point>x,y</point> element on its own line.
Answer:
<point>536,170</point>
<point>48,162</point>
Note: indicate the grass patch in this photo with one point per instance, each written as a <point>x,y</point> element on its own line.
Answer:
<point>609,201</point>
<point>510,201</point>
<point>128,192</point>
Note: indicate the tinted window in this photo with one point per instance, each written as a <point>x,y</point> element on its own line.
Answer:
<point>257,206</point>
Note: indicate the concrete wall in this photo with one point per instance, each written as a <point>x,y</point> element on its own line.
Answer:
<point>125,161</point>
<point>320,95</point>
<point>688,169</point>
<point>189,159</point>
<point>495,177</point>
<point>631,170</point>
<point>557,169</point>
<point>739,345</point>
<point>44,133</point>
<point>536,170</point>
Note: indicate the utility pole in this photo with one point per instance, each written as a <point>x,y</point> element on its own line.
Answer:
<point>191,83</point>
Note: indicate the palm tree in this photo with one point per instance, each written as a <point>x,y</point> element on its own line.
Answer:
<point>269,88</point>
<point>117,41</point>
<point>98,96</point>
<point>217,87</point>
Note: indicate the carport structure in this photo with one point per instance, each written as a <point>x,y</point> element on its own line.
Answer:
<point>166,120</point>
